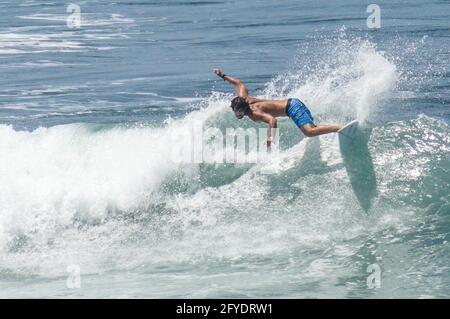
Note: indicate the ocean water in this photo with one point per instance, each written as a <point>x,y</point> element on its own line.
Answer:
<point>91,204</point>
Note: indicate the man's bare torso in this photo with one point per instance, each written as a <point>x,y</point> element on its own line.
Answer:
<point>275,108</point>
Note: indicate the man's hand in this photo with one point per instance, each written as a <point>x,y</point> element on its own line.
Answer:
<point>268,141</point>
<point>241,89</point>
<point>218,72</point>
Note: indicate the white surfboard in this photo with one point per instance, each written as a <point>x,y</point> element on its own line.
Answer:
<point>348,133</point>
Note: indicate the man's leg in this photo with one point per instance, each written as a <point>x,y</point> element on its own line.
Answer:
<point>310,130</point>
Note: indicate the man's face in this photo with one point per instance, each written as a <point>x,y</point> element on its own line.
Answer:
<point>239,113</point>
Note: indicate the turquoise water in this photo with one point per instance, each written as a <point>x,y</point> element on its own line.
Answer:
<point>87,181</point>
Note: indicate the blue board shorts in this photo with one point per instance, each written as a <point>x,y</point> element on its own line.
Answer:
<point>299,113</point>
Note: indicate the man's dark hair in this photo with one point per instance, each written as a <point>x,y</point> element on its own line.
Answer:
<point>239,103</point>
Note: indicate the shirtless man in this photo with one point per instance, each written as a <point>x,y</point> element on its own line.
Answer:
<point>268,110</point>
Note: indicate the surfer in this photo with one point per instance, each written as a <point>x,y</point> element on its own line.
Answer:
<point>268,110</point>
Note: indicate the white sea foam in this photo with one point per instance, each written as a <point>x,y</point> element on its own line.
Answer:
<point>70,193</point>
<point>350,82</point>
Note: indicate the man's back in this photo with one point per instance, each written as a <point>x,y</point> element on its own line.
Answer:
<point>275,108</point>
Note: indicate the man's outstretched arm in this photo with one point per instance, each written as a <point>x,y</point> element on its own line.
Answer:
<point>270,120</point>
<point>241,89</point>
